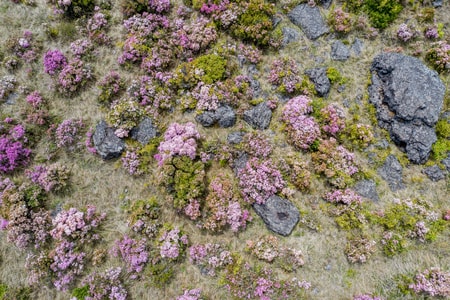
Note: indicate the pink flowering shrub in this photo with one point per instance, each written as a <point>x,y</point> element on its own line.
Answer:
<point>68,134</point>
<point>246,282</point>
<point>439,56</point>
<point>105,285</point>
<point>131,163</point>
<point>366,297</point>
<point>335,162</point>
<point>209,258</point>
<point>346,197</point>
<point>302,130</point>
<point>222,207</point>
<point>81,47</point>
<point>144,217</point>
<point>196,36</point>
<point>250,53</point>
<point>110,86</point>
<point>35,99</point>
<point>333,118</point>
<point>74,76</point>
<point>268,248</point>
<point>404,33</point>
<point>340,21</point>
<point>206,96</point>
<point>257,145</point>
<point>285,75</point>
<point>359,249</point>
<point>66,264</point>
<point>179,139</point>
<point>193,294</point>
<point>13,153</point>
<point>260,180</point>
<point>54,62</point>
<point>134,253</point>
<point>77,225</point>
<point>431,33</point>
<point>24,48</point>
<point>52,178</point>
<point>97,26</point>
<point>172,243</point>
<point>433,282</point>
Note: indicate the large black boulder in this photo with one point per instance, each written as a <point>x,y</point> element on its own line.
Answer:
<point>279,214</point>
<point>408,98</point>
<point>107,144</point>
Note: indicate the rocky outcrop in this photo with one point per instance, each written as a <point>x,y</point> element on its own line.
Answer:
<point>279,214</point>
<point>408,97</point>
<point>107,144</point>
<point>309,19</point>
<point>224,116</point>
<point>319,77</point>
<point>259,116</point>
<point>145,131</point>
<point>434,173</point>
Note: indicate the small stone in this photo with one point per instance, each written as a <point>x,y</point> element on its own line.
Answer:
<point>437,3</point>
<point>144,132</point>
<point>341,88</point>
<point>309,19</point>
<point>225,116</point>
<point>325,3</point>
<point>235,137</point>
<point>357,47</point>
<point>259,116</point>
<point>207,118</point>
<point>339,51</point>
<point>434,173</point>
<point>290,35</point>
<point>107,144</point>
<point>239,162</point>
<point>446,162</point>
<point>392,172</point>
<point>367,189</point>
<point>279,214</point>
<point>319,77</point>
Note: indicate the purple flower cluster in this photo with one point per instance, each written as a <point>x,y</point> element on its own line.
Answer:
<point>35,99</point>
<point>24,47</point>
<point>97,26</point>
<point>54,61</point>
<point>76,225</point>
<point>172,243</point>
<point>334,119</point>
<point>81,47</point>
<point>285,75</point>
<point>50,178</point>
<point>68,133</point>
<point>131,162</point>
<point>179,139</point>
<point>260,180</point>
<point>432,282</point>
<point>209,257</point>
<point>196,36</point>
<point>206,95</point>
<point>366,297</point>
<point>431,33</point>
<point>13,153</point>
<point>302,129</point>
<point>222,207</point>
<point>404,33</point>
<point>346,197</point>
<point>250,53</point>
<point>341,21</point>
<point>193,294</point>
<point>134,253</point>
<point>439,56</point>
<point>66,264</point>
<point>73,76</point>
<point>257,145</point>
<point>106,285</point>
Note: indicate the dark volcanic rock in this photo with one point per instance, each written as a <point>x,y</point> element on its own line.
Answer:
<point>367,189</point>
<point>145,131</point>
<point>320,79</point>
<point>408,97</point>
<point>357,47</point>
<point>392,172</point>
<point>224,116</point>
<point>279,214</point>
<point>339,51</point>
<point>259,116</point>
<point>235,137</point>
<point>107,144</point>
<point>290,35</point>
<point>446,162</point>
<point>309,20</point>
<point>325,3</point>
<point>239,162</point>
<point>434,173</point>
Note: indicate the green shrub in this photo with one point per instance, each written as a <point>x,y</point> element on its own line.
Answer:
<point>382,12</point>
<point>335,76</point>
<point>81,292</point>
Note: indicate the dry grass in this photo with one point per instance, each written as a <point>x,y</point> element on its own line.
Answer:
<point>107,186</point>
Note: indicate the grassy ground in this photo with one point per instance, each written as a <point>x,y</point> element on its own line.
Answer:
<point>107,186</point>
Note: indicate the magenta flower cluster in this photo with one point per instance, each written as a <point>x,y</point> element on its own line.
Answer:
<point>50,178</point>
<point>285,74</point>
<point>257,145</point>
<point>81,47</point>
<point>179,139</point>
<point>433,282</point>
<point>210,257</point>
<point>346,197</point>
<point>404,33</point>
<point>302,129</point>
<point>97,26</point>
<point>131,162</point>
<point>134,253</point>
<point>66,264</point>
<point>13,153</point>
<point>193,294</point>
<point>172,243</point>
<point>106,285</point>
<point>260,180</point>
<point>54,61</point>
<point>35,99</point>
<point>334,119</point>
<point>73,76</point>
<point>68,133</point>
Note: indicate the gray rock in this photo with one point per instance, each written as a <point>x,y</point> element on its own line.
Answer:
<point>367,189</point>
<point>320,79</point>
<point>239,162</point>
<point>434,173</point>
<point>259,116</point>
<point>226,117</point>
<point>107,144</point>
<point>339,51</point>
<point>357,47</point>
<point>437,3</point>
<point>279,214</point>
<point>235,137</point>
<point>325,3</point>
<point>207,118</point>
<point>392,172</point>
<point>341,88</point>
<point>408,97</point>
<point>290,35</point>
<point>145,131</point>
<point>446,162</point>
<point>309,20</point>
